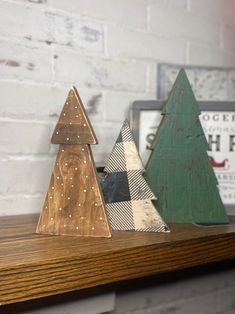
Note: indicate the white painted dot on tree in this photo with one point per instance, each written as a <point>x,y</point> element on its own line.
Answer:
<point>52,218</point>
<point>101,218</point>
<point>64,225</point>
<point>96,204</point>
<point>62,184</point>
<point>84,124</point>
<point>92,187</point>
<point>64,114</point>
<point>78,136</point>
<point>71,178</point>
<point>84,161</point>
<point>79,204</point>
<point>83,149</point>
<point>57,178</point>
<point>75,107</point>
<point>53,187</point>
<point>70,123</point>
<point>67,138</point>
<point>86,176</point>
<point>50,197</point>
<point>84,191</point>
<point>77,227</point>
<point>82,217</point>
<point>67,102</point>
<point>70,216</point>
<point>60,208</point>
<point>93,228</point>
<point>68,198</point>
<point>66,164</point>
<point>57,132</point>
<point>72,186</point>
<point>46,207</point>
<point>76,168</point>
<point>76,116</point>
<point>44,225</point>
<point>62,150</point>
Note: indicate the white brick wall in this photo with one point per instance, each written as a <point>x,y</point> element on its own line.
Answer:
<point>122,12</point>
<point>123,43</point>
<point>30,100</point>
<point>109,50</point>
<point>24,137</point>
<point>29,177</point>
<point>178,23</point>
<point>97,72</point>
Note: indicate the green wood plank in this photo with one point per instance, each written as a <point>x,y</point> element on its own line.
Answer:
<point>179,171</point>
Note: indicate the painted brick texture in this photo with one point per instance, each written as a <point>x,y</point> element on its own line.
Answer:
<point>109,50</point>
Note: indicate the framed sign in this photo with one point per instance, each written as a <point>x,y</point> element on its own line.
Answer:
<point>211,83</point>
<point>218,122</point>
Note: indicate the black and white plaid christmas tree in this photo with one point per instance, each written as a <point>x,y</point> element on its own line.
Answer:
<point>126,193</point>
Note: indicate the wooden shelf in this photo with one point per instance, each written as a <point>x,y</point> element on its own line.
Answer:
<point>34,266</point>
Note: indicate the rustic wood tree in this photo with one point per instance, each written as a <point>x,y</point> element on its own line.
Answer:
<point>179,171</point>
<point>127,195</point>
<point>74,203</point>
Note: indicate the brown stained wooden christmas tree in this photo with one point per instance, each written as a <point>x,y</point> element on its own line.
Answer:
<point>74,203</point>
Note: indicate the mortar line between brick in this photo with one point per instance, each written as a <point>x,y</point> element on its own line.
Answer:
<point>221,34</point>
<point>20,195</point>
<point>148,15</point>
<point>30,157</point>
<point>187,52</point>
<point>15,120</point>
<point>105,39</point>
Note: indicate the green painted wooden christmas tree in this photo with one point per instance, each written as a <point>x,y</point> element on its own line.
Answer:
<point>179,171</point>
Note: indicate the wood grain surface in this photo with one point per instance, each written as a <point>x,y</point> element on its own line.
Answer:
<point>178,170</point>
<point>34,266</point>
<point>74,203</point>
<point>73,126</point>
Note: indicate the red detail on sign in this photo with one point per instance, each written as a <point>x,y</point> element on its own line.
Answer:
<point>216,164</point>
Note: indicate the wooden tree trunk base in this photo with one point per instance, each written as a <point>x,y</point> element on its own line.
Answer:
<point>74,203</point>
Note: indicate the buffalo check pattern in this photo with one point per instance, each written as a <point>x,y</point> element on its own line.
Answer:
<point>126,193</point>
<point>121,216</point>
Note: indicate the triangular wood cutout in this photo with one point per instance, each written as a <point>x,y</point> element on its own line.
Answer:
<point>127,195</point>
<point>74,202</point>
<point>179,171</point>
<point>73,126</point>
